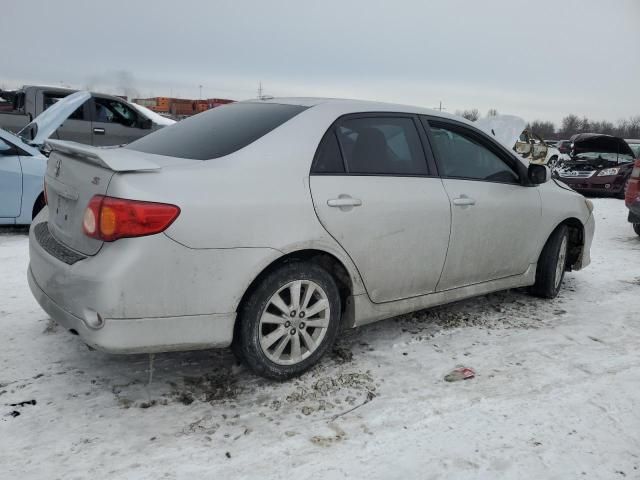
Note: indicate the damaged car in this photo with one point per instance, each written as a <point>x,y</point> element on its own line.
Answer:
<point>271,225</point>
<point>597,164</point>
<point>528,145</point>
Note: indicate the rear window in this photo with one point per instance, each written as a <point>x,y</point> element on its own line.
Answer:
<point>217,132</point>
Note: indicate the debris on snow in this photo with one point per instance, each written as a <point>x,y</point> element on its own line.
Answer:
<point>460,373</point>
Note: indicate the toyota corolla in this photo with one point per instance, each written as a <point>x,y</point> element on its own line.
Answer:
<point>271,225</point>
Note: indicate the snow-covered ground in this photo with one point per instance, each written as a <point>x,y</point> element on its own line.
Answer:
<point>556,396</point>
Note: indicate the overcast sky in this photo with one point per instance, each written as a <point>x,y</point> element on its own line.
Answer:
<point>538,59</point>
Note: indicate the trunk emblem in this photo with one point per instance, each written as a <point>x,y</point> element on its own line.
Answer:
<point>96,180</point>
<point>58,166</point>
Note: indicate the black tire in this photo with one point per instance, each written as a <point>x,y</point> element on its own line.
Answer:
<point>636,228</point>
<point>247,342</point>
<point>547,285</point>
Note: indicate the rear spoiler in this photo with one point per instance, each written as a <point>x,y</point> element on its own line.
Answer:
<point>112,158</point>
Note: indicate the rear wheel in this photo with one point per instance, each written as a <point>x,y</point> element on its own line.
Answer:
<point>552,264</point>
<point>289,321</point>
<point>636,228</point>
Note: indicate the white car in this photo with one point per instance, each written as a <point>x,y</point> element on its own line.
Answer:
<point>528,145</point>
<point>270,225</point>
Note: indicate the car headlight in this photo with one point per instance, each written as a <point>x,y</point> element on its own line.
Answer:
<point>589,204</point>
<point>608,171</point>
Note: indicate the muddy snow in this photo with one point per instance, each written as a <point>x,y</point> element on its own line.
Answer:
<point>556,392</point>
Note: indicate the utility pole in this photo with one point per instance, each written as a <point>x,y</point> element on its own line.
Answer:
<point>260,89</point>
<point>440,107</point>
<point>200,97</point>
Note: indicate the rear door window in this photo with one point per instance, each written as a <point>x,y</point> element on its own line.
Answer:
<point>381,146</point>
<point>217,132</point>
<point>328,157</point>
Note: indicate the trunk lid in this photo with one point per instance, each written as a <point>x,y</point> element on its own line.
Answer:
<point>75,173</point>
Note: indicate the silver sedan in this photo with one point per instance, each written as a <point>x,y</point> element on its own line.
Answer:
<point>270,225</point>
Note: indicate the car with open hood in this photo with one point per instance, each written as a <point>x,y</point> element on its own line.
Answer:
<point>22,163</point>
<point>513,134</point>
<point>597,164</point>
<point>270,225</point>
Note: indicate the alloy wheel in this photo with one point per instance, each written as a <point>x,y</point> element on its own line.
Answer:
<point>294,322</point>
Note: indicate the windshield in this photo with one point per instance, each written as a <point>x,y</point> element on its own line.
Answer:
<point>217,132</point>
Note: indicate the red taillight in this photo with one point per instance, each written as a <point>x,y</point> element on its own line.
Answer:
<point>109,218</point>
<point>632,195</point>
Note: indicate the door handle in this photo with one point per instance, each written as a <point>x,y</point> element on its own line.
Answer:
<point>344,202</point>
<point>98,131</point>
<point>463,200</point>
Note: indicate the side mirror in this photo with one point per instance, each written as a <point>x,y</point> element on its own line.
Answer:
<point>146,123</point>
<point>538,173</point>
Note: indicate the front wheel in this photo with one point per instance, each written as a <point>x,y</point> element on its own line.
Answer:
<point>289,320</point>
<point>552,264</point>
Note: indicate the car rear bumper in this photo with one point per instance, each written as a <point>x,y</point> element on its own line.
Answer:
<point>148,294</point>
<point>141,335</point>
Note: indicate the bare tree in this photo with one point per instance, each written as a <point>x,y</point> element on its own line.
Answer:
<point>569,126</point>
<point>542,128</point>
<point>472,114</point>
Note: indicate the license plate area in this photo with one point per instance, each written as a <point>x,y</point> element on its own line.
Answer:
<point>63,208</point>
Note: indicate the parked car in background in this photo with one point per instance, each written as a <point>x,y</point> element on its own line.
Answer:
<point>632,193</point>
<point>533,148</point>
<point>552,143</point>
<point>22,164</point>
<point>529,146</point>
<point>564,146</point>
<point>101,121</point>
<point>272,224</point>
<point>597,164</point>
<point>635,146</point>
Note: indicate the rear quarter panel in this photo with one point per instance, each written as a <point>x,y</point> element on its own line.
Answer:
<point>258,197</point>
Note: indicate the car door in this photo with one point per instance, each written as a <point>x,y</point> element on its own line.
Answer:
<point>115,123</point>
<point>77,127</point>
<point>10,182</point>
<point>375,191</point>
<point>495,215</point>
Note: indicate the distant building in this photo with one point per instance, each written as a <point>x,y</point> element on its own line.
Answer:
<point>180,107</point>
